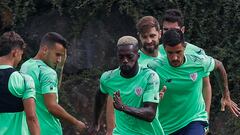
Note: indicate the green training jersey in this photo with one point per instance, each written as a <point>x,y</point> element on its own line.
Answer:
<point>190,49</point>
<point>21,86</point>
<point>183,101</point>
<point>144,59</point>
<point>143,87</point>
<point>45,79</point>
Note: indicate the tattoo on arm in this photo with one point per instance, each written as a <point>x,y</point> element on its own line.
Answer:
<point>221,76</point>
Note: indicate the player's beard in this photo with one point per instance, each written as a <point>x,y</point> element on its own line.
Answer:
<point>127,70</point>
<point>176,63</point>
<point>150,49</point>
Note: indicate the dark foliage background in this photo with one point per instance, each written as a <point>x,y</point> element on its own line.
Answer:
<point>211,24</point>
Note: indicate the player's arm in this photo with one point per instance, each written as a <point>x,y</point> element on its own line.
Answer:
<point>50,100</point>
<point>150,100</point>
<point>31,117</point>
<point>147,112</point>
<point>207,93</point>
<point>100,100</point>
<point>110,116</point>
<point>221,76</point>
<point>28,95</point>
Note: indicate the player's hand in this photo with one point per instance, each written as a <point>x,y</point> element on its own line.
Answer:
<point>93,129</point>
<point>161,93</point>
<point>80,126</point>
<point>109,133</point>
<point>117,101</point>
<point>226,101</point>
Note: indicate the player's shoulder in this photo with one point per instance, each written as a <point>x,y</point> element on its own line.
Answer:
<point>16,74</point>
<point>157,62</point>
<point>46,69</point>
<point>149,74</point>
<point>31,63</point>
<point>109,74</point>
<point>35,64</point>
<point>147,71</point>
<point>196,58</point>
<point>16,77</point>
<point>193,49</point>
<point>26,76</point>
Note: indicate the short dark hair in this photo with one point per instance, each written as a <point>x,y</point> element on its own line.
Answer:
<point>147,22</point>
<point>173,37</point>
<point>173,15</point>
<point>51,38</point>
<point>10,40</point>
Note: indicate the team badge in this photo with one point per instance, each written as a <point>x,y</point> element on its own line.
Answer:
<point>194,76</point>
<point>138,91</point>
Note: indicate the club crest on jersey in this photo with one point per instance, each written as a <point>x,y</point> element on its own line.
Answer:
<point>194,76</point>
<point>138,91</point>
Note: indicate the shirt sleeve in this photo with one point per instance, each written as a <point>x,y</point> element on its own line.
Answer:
<point>30,91</point>
<point>21,85</point>
<point>193,49</point>
<point>48,81</point>
<point>208,65</point>
<point>151,93</point>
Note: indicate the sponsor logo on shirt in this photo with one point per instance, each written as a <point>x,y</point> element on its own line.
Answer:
<point>138,91</point>
<point>199,52</point>
<point>194,76</point>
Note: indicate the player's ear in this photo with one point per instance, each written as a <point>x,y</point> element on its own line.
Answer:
<point>183,29</point>
<point>14,52</point>
<point>160,34</point>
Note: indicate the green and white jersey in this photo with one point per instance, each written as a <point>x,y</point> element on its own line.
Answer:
<point>45,79</point>
<point>143,87</point>
<point>144,59</point>
<point>15,123</point>
<point>183,101</point>
<point>190,49</point>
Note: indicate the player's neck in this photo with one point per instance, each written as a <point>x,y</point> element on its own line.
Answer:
<point>5,60</point>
